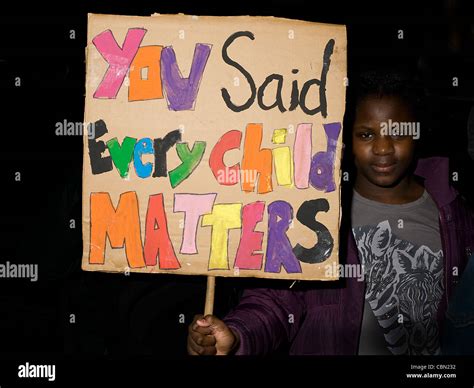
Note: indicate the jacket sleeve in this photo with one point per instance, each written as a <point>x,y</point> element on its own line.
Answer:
<point>266,319</point>
<point>462,230</point>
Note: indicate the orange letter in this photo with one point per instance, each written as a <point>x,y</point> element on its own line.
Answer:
<point>148,57</point>
<point>122,226</point>
<point>256,160</point>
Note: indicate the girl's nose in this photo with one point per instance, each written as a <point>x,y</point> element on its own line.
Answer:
<point>383,145</point>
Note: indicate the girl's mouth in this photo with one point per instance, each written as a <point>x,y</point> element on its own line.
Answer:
<point>383,168</point>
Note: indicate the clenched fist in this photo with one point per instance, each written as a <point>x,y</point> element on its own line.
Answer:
<point>210,336</point>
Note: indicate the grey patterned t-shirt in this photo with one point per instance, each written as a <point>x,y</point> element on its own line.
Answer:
<point>400,250</point>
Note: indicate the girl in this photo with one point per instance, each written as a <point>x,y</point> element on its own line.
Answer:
<point>410,233</point>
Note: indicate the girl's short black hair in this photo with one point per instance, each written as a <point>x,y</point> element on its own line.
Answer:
<point>384,83</point>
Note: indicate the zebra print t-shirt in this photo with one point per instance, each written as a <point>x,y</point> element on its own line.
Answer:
<point>400,249</point>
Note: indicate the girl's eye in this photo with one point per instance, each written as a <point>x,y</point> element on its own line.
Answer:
<point>365,135</point>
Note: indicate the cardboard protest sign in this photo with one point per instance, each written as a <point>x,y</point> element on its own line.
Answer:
<point>213,146</point>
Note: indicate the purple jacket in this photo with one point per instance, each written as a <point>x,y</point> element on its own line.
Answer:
<point>327,321</point>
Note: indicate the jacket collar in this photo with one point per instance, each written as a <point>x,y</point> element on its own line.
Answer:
<point>435,172</point>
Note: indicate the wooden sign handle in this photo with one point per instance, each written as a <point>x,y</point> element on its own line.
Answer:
<point>211,285</point>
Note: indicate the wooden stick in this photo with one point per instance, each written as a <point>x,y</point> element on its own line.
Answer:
<point>211,285</point>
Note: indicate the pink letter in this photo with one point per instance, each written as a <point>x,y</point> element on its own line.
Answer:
<point>194,206</point>
<point>250,240</point>
<point>302,155</point>
<point>119,59</point>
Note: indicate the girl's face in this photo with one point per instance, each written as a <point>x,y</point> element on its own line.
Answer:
<point>382,160</point>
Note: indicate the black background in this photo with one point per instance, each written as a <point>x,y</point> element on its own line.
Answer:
<point>137,316</point>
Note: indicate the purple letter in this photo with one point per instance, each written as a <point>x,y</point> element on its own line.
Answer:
<point>181,92</point>
<point>279,249</point>
<point>322,165</point>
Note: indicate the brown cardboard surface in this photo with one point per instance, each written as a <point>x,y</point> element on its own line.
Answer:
<point>278,47</point>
